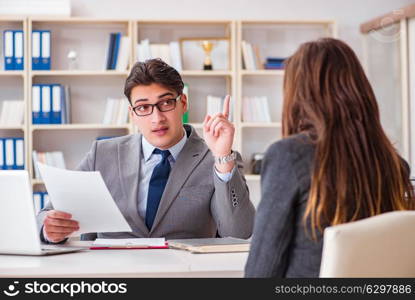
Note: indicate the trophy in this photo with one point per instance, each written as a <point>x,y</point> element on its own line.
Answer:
<point>207,47</point>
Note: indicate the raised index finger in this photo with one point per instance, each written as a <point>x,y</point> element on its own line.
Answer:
<point>226,106</point>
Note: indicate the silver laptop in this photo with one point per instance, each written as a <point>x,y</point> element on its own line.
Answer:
<point>18,229</point>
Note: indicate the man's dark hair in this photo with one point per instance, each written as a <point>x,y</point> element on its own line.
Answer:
<point>153,71</point>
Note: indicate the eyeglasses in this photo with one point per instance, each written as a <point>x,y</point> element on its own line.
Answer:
<point>163,106</point>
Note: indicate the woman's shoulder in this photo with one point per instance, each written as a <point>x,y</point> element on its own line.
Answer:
<point>293,146</point>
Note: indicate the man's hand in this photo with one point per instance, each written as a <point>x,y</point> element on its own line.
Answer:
<point>218,133</point>
<point>58,225</point>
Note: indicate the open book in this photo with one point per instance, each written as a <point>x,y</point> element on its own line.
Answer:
<point>211,245</point>
<point>139,243</point>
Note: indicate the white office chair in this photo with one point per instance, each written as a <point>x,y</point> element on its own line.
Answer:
<point>379,246</point>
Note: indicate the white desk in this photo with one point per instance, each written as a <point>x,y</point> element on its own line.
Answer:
<point>124,263</point>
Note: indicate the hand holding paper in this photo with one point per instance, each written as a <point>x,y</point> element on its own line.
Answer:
<point>85,196</point>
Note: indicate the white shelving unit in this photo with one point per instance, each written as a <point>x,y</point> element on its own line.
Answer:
<point>13,83</point>
<point>91,84</point>
<point>273,38</point>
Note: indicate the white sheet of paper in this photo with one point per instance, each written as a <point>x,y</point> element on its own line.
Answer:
<point>85,196</point>
<point>149,242</point>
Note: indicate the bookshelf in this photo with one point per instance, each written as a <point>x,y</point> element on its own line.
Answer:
<point>216,82</point>
<point>272,38</point>
<point>13,83</point>
<point>91,84</point>
<point>89,81</point>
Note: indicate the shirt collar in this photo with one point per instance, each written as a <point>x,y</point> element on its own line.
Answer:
<point>174,150</point>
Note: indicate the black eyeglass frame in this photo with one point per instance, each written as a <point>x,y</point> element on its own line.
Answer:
<point>157,105</point>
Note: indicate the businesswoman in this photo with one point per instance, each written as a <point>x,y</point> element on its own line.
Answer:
<point>334,164</point>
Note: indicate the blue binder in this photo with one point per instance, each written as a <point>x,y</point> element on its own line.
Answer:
<point>18,144</point>
<point>110,52</point>
<point>45,50</point>
<point>45,104</point>
<point>36,103</point>
<point>8,50</point>
<point>36,50</point>
<point>2,154</point>
<point>56,111</point>
<point>9,154</point>
<point>18,49</point>
<point>116,50</point>
<point>38,201</point>
<point>42,201</point>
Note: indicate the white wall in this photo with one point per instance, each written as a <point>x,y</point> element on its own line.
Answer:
<point>348,13</point>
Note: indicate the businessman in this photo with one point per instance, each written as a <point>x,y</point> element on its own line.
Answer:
<point>166,181</point>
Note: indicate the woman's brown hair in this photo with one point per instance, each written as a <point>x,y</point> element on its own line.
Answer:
<point>357,173</point>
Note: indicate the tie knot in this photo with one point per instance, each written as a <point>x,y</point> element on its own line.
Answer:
<point>164,153</point>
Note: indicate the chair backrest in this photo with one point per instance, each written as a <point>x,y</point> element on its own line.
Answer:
<point>379,246</point>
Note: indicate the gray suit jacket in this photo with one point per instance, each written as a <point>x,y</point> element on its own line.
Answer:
<point>195,202</point>
<point>280,245</point>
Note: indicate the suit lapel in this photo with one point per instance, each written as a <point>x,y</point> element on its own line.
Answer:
<point>129,157</point>
<point>192,153</point>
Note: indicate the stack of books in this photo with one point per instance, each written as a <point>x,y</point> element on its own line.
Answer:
<point>169,53</point>
<point>255,109</point>
<point>54,159</point>
<point>118,53</point>
<point>12,113</point>
<point>51,104</point>
<point>116,111</point>
<point>13,46</point>
<point>12,153</point>
<point>250,56</point>
<point>274,63</point>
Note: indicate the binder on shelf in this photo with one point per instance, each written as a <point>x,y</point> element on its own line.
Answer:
<point>45,50</point>
<point>116,50</point>
<point>8,50</point>
<point>9,154</point>
<point>110,52</point>
<point>175,56</point>
<point>124,54</point>
<point>19,153</point>
<point>2,152</point>
<point>18,50</point>
<point>37,201</point>
<point>66,104</point>
<point>36,95</point>
<point>45,104</point>
<point>56,114</point>
<point>36,54</point>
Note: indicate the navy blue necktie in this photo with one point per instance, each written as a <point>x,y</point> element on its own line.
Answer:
<point>156,187</point>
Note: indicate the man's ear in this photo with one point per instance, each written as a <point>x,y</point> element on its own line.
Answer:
<point>183,101</point>
<point>130,110</point>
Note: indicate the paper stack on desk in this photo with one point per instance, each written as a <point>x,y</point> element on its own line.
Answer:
<point>211,245</point>
<point>139,243</point>
<point>85,196</point>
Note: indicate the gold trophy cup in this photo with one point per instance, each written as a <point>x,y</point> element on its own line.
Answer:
<point>207,47</point>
